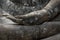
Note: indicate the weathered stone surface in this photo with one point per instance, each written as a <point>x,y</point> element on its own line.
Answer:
<point>12,31</point>
<point>55,37</point>
<point>22,32</point>
<point>14,9</point>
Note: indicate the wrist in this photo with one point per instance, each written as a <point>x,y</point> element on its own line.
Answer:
<point>51,12</point>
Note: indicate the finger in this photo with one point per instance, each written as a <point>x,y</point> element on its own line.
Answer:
<point>21,16</point>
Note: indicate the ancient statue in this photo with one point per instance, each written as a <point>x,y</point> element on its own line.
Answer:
<point>35,19</point>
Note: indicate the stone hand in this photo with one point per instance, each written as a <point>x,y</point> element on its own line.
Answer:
<point>35,17</point>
